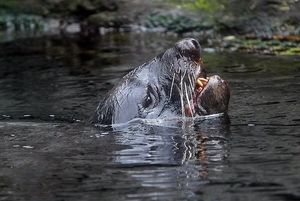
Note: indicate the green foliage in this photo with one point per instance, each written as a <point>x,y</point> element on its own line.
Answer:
<point>21,22</point>
<point>23,7</point>
<point>204,5</point>
<point>209,5</point>
<point>272,47</point>
<point>176,23</point>
<point>52,7</point>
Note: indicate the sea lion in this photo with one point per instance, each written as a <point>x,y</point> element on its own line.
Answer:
<point>172,84</point>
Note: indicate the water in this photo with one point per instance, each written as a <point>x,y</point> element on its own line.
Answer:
<point>49,87</point>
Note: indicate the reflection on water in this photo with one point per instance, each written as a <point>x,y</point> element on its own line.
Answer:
<point>140,160</point>
<point>177,159</point>
<point>173,146</point>
<point>51,86</point>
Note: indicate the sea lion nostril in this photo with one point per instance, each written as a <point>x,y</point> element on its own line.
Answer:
<point>196,44</point>
<point>188,44</point>
<point>189,48</point>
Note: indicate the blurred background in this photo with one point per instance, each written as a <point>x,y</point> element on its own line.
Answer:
<point>267,26</point>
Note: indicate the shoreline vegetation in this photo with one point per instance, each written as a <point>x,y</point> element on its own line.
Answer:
<point>254,26</point>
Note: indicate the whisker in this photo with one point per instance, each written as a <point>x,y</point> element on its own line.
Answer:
<point>184,73</point>
<point>200,71</point>
<point>192,84</point>
<point>188,100</point>
<point>181,100</point>
<point>181,95</point>
<point>172,84</point>
<point>194,74</point>
<point>192,94</point>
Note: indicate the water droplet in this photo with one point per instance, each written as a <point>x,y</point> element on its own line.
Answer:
<point>27,147</point>
<point>27,116</point>
<point>76,120</point>
<point>6,116</point>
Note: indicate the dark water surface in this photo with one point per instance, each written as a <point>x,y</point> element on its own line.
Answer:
<point>49,87</point>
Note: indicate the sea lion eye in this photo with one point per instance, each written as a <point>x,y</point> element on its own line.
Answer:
<point>150,100</point>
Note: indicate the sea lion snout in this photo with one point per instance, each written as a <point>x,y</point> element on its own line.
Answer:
<point>190,48</point>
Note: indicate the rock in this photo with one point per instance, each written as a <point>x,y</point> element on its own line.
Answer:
<point>209,50</point>
<point>229,38</point>
<point>107,19</point>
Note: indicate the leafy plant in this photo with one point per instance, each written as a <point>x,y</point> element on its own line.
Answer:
<point>204,5</point>
<point>176,23</point>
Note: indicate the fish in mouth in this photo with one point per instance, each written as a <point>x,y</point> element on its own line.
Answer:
<point>211,95</point>
<point>173,84</point>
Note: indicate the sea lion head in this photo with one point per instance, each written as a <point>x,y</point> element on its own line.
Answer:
<point>189,90</point>
<point>173,84</point>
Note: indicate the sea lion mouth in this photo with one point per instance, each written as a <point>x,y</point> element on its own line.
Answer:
<point>200,86</point>
<point>211,95</point>
<point>200,82</point>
